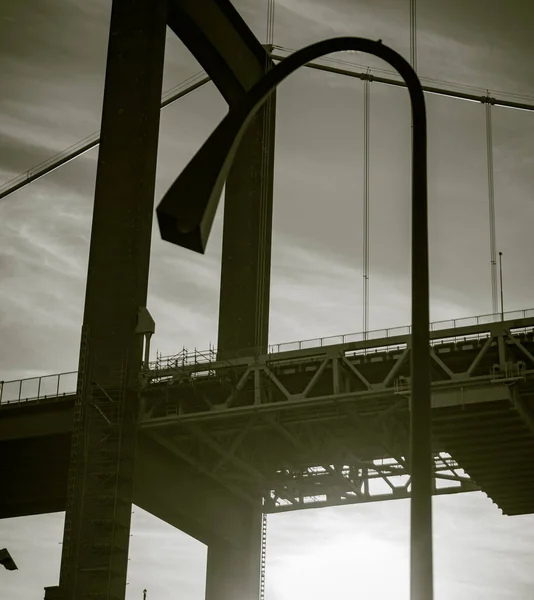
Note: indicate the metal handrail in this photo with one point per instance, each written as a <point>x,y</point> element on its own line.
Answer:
<point>38,388</point>
<point>194,357</point>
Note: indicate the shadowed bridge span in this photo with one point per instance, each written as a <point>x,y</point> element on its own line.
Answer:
<point>317,426</point>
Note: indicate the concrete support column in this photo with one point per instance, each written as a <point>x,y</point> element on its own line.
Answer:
<point>233,571</point>
<point>247,233</point>
<point>101,476</point>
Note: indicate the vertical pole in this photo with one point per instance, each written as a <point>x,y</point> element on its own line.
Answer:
<point>421,460</point>
<point>366,125</point>
<point>491,198</point>
<point>500,279</point>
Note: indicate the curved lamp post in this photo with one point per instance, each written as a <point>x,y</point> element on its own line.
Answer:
<point>186,213</point>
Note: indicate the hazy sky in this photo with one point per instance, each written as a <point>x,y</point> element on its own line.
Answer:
<point>52,59</point>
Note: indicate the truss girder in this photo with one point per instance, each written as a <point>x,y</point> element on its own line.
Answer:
<point>338,374</point>
<point>307,428</point>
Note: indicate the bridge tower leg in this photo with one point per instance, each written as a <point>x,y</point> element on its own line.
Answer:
<point>99,499</point>
<point>247,233</point>
<point>234,571</point>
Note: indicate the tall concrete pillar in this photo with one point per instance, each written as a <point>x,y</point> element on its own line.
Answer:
<point>233,570</point>
<point>101,478</point>
<point>247,234</point>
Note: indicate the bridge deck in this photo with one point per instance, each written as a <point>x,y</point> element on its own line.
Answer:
<point>324,425</point>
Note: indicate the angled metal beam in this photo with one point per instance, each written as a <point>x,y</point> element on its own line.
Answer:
<point>315,378</point>
<point>356,372</point>
<point>217,36</point>
<point>234,393</point>
<point>395,368</point>
<point>520,346</point>
<point>277,382</point>
<point>440,363</point>
<point>480,355</point>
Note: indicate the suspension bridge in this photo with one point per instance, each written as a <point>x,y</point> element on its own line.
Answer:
<point>245,429</point>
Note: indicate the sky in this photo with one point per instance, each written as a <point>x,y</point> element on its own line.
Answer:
<point>52,61</point>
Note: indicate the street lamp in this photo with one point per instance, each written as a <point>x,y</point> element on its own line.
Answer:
<point>185,217</point>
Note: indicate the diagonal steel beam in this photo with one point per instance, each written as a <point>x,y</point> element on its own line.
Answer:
<point>440,363</point>
<point>520,346</point>
<point>480,355</point>
<point>356,372</point>
<point>277,382</point>
<point>233,394</point>
<point>315,378</point>
<point>395,368</point>
<point>218,37</point>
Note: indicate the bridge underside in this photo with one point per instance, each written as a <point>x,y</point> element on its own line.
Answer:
<point>303,429</point>
<point>325,462</point>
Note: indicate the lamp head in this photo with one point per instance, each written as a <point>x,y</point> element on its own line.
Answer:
<point>186,212</point>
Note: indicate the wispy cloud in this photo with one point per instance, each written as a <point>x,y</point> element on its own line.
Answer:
<point>52,61</point>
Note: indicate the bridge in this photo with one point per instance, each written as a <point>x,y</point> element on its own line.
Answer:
<point>313,423</point>
<point>212,441</point>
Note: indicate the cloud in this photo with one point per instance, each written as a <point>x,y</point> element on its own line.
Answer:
<point>52,58</point>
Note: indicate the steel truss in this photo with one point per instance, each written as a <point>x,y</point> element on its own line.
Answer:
<point>329,425</point>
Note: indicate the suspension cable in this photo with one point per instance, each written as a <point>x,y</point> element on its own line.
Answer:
<point>270,22</point>
<point>413,34</point>
<point>266,181</point>
<point>366,125</point>
<point>491,197</point>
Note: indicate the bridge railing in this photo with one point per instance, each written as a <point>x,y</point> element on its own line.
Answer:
<point>196,357</point>
<point>38,388</point>
<point>398,331</point>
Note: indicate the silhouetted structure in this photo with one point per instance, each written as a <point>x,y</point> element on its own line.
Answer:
<point>6,560</point>
<point>239,432</point>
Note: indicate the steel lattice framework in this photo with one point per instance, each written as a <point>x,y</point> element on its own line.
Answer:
<point>322,426</point>
<point>328,424</point>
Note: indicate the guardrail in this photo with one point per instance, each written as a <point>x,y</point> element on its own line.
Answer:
<point>36,388</point>
<point>196,357</point>
<point>377,334</point>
